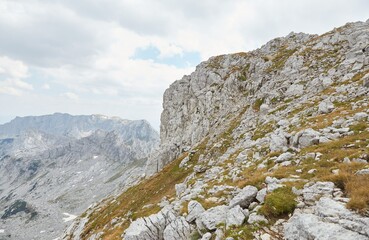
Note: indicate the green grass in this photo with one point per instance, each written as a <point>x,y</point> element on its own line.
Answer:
<point>279,203</point>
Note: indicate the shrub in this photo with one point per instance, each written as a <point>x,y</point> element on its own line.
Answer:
<point>279,203</point>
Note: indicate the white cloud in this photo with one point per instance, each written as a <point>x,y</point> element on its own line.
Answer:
<point>12,73</point>
<point>70,95</point>
<point>84,49</point>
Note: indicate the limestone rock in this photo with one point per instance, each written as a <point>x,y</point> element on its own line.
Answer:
<point>195,209</point>
<point>235,216</point>
<point>178,229</point>
<point>212,217</point>
<point>284,157</point>
<point>206,236</point>
<point>326,107</point>
<point>317,190</point>
<point>151,227</point>
<point>260,196</point>
<point>256,218</point>
<point>309,226</point>
<point>364,171</point>
<point>245,197</point>
<point>306,138</point>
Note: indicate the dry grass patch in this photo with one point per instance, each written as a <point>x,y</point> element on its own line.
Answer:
<point>356,187</point>
<point>149,191</point>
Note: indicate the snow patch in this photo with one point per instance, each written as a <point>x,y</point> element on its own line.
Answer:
<point>2,230</point>
<point>95,157</point>
<point>69,217</point>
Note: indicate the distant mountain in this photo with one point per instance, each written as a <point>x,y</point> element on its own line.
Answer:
<point>53,167</point>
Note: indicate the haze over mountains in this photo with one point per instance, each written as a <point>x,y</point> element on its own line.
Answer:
<point>53,167</point>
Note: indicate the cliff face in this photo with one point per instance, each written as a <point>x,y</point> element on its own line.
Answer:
<point>257,145</point>
<point>296,66</point>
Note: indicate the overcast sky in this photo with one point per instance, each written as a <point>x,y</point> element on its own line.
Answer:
<point>116,57</point>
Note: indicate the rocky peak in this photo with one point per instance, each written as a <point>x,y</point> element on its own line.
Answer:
<point>296,66</point>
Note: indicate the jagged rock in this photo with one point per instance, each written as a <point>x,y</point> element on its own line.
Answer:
<point>284,157</point>
<point>199,169</point>
<point>219,234</point>
<point>278,142</point>
<point>309,226</point>
<point>212,217</point>
<point>272,183</point>
<point>306,138</point>
<point>366,80</point>
<point>244,197</point>
<point>326,106</point>
<point>235,216</point>
<point>260,196</point>
<point>328,220</point>
<point>206,236</point>
<point>178,229</point>
<point>180,188</point>
<point>295,90</point>
<point>195,209</point>
<point>184,162</point>
<point>364,171</point>
<point>360,116</point>
<point>317,190</point>
<point>264,108</point>
<point>151,227</point>
<point>256,218</point>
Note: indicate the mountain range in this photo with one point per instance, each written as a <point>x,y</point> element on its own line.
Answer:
<point>53,167</point>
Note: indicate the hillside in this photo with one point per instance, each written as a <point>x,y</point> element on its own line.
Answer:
<point>268,144</point>
<point>53,167</point>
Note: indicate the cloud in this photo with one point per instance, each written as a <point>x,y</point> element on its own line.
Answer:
<point>124,54</point>
<point>70,95</point>
<point>12,73</point>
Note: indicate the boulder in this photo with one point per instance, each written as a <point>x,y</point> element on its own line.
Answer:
<point>178,229</point>
<point>151,227</point>
<point>360,116</point>
<point>325,106</point>
<point>278,141</point>
<point>212,217</point>
<point>306,138</point>
<point>244,197</point>
<point>180,188</point>
<point>295,90</point>
<point>284,157</point>
<point>235,216</point>
<point>206,236</point>
<point>256,218</point>
<point>195,209</point>
<point>309,226</point>
<point>364,171</point>
<point>366,80</point>
<point>317,190</point>
<point>260,196</point>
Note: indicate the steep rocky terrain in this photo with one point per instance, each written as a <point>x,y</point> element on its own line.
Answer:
<point>54,167</point>
<point>268,144</point>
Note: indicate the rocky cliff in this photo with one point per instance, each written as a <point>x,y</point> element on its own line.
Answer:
<point>267,144</point>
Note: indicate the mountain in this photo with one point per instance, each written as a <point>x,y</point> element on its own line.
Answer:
<point>54,167</point>
<point>267,144</point>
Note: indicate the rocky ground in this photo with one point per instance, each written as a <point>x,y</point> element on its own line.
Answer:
<point>269,144</point>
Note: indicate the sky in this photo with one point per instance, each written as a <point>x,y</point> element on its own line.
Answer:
<point>117,57</point>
